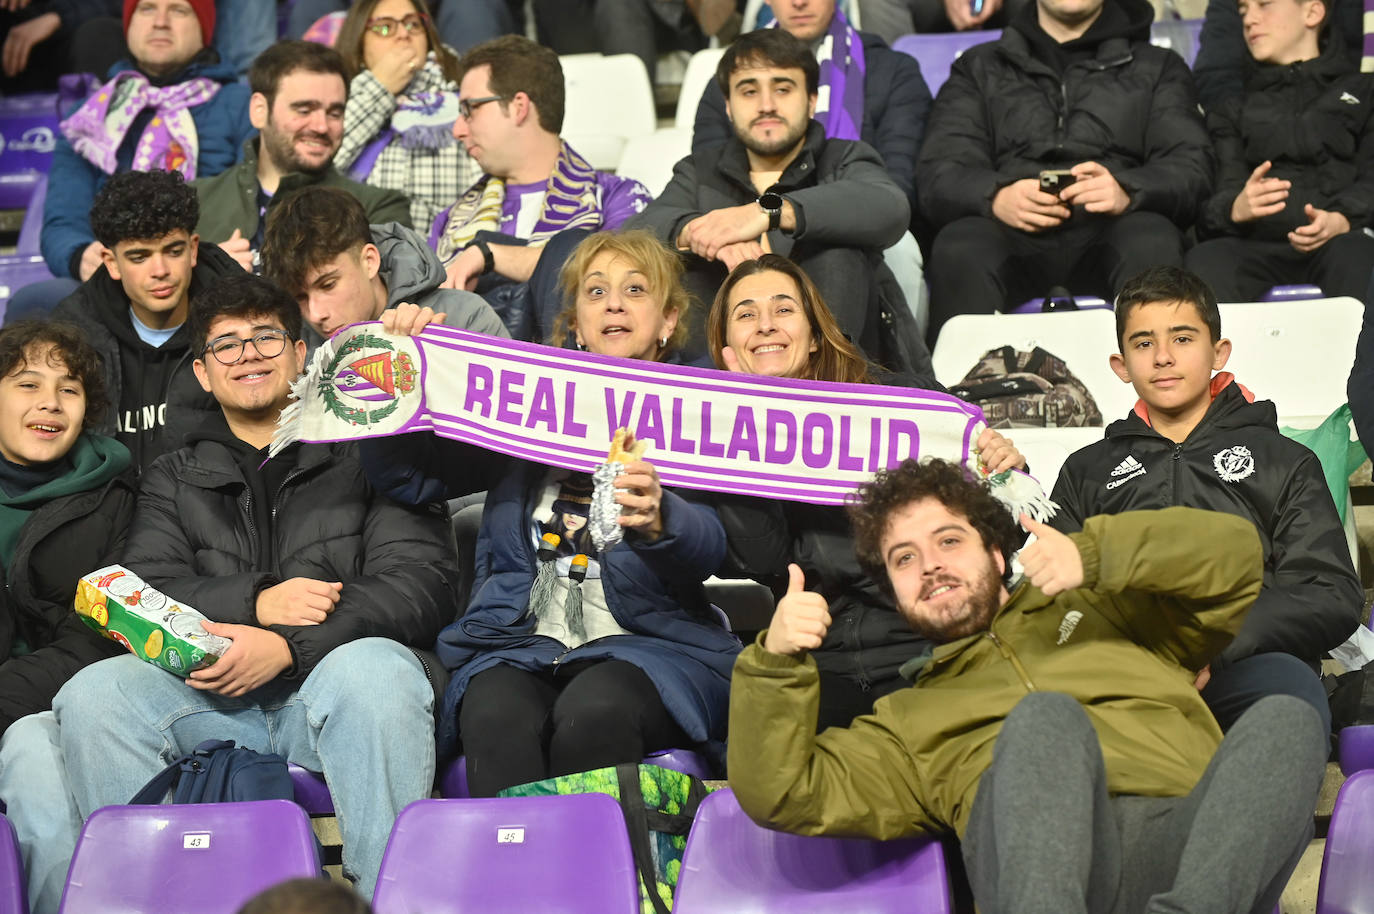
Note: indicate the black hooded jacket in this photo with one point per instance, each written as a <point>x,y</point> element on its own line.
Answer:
<point>156,396</point>
<point>1315,121</point>
<point>1235,461</point>
<point>1024,103</point>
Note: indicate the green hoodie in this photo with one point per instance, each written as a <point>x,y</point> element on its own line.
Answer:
<point>95,460</point>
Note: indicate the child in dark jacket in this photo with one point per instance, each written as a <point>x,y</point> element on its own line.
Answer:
<point>1295,183</point>
<point>1202,441</point>
<point>66,498</point>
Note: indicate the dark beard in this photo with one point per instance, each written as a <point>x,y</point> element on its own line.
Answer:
<point>983,602</point>
<point>777,147</point>
<point>279,150</point>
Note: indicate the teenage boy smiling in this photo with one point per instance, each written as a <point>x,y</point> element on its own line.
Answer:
<point>1202,441</point>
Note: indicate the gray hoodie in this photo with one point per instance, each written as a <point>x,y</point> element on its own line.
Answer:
<point>412,273</point>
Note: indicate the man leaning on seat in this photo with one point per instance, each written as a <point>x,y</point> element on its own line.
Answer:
<point>1055,727</point>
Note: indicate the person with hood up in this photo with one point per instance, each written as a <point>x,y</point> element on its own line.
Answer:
<point>319,247</point>
<point>134,308</point>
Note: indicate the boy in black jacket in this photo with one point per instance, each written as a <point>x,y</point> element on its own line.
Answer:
<point>1295,186</point>
<point>1204,442</point>
<point>133,308</point>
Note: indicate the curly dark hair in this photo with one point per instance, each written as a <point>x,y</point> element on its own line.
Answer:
<point>242,296</point>
<point>309,228</point>
<point>872,504</point>
<point>66,344</point>
<point>140,205</point>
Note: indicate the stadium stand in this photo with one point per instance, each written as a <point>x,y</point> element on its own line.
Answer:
<point>593,126</point>
<point>1344,887</point>
<point>12,897</point>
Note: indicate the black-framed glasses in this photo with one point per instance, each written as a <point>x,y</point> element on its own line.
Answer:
<point>465,105</point>
<point>228,350</point>
<point>386,26</point>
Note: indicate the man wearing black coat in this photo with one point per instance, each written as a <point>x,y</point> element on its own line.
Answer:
<point>330,593</point>
<point>1072,86</point>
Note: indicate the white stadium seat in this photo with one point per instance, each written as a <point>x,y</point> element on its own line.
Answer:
<point>608,100</point>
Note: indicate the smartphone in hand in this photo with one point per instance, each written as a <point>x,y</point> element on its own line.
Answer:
<point>1053,180</point>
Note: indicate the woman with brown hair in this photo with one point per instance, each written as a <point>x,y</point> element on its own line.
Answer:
<point>402,102</point>
<point>569,658</point>
<point>769,319</point>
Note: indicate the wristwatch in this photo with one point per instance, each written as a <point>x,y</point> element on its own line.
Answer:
<point>771,204</point>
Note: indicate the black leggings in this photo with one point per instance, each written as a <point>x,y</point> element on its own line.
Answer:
<point>517,726</point>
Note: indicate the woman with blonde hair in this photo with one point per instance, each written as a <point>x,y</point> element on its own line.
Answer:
<point>768,319</point>
<point>616,653</point>
<point>402,102</point>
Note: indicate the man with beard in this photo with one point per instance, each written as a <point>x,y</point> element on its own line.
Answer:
<point>1055,727</point>
<point>780,186</point>
<point>299,92</point>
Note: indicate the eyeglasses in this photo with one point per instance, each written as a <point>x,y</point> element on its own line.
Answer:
<point>386,26</point>
<point>466,105</point>
<point>228,350</point>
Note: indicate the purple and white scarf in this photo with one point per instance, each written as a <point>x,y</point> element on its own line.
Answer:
<point>1367,60</point>
<point>97,129</point>
<point>840,100</point>
<point>571,200</point>
<point>718,431</point>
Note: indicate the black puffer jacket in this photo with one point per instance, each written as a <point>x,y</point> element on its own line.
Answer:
<point>1006,113</point>
<point>154,409</point>
<point>868,640</point>
<point>195,537</point>
<point>1315,121</point>
<point>1235,461</point>
<point>64,539</point>
<point>896,102</point>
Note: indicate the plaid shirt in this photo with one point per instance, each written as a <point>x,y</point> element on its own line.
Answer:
<point>432,178</point>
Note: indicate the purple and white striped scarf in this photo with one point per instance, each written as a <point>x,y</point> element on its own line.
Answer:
<point>840,101</point>
<point>718,431</point>
<point>1367,61</point>
<point>97,129</point>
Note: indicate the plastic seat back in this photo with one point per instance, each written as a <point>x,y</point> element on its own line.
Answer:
<point>209,858</point>
<point>554,855</point>
<point>731,864</point>
<point>1345,886</point>
<point>598,130</point>
<point>936,53</point>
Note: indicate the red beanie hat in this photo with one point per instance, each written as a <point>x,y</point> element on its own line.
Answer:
<point>204,9</point>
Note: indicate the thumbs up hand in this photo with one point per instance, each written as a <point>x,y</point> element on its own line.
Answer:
<point>800,620</point>
<point>1052,562</point>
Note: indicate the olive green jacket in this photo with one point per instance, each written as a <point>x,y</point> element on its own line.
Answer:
<point>229,200</point>
<point>1162,594</point>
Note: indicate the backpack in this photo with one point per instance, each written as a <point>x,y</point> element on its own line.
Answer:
<point>217,771</point>
<point>1035,389</point>
<point>659,805</point>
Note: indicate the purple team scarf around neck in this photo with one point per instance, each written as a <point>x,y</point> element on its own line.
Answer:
<point>714,430</point>
<point>169,141</point>
<point>840,103</point>
<point>1367,61</point>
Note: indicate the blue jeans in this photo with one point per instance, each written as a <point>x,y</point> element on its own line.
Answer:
<point>364,717</point>
<point>39,802</point>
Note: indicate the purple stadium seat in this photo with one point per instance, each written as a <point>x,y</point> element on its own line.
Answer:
<point>28,134</point>
<point>26,264</point>
<point>554,855</point>
<point>1356,749</point>
<point>311,791</point>
<point>1180,35</point>
<point>453,783</point>
<point>1084,303</point>
<point>204,857</point>
<point>936,53</point>
<point>1345,886</point>
<point>13,899</point>
<point>1297,292</point>
<point>731,864</point>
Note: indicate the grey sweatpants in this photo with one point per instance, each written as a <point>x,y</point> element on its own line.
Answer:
<point>1045,837</point>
